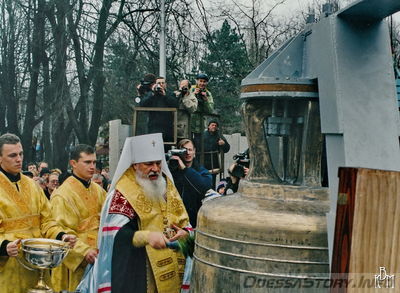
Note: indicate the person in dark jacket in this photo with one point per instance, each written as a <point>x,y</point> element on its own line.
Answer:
<point>159,97</point>
<point>191,180</point>
<point>214,143</point>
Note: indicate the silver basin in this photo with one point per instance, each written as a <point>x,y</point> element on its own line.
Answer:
<point>43,253</point>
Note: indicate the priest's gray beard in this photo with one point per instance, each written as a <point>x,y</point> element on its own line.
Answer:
<point>154,189</point>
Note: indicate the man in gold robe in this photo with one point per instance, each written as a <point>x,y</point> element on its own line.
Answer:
<point>143,212</point>
<point>24,213</point>
<point>76,205</point>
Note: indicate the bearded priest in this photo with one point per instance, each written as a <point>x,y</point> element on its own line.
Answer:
<point>142,213</point>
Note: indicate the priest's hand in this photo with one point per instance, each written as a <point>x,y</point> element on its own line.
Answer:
<point>180,233</point>
<point>91,255</point>
<point>157,240</point>
<point>12,247</point>
<point>70,238</point>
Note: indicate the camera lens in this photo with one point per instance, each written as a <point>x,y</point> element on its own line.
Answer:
<point>158,89</point>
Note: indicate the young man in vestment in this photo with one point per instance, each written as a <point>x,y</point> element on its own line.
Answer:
<point>142,213</point>
<point>24,213</point>
<point>76,205</point>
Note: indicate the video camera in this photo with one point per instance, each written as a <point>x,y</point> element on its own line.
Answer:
<point>242,160</point>
<point>172,163</point>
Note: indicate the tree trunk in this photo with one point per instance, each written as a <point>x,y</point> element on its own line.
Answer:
<point>98,67</point>
<point>80,126</point>
<point>2,111</point>
<point>9,75</point>
<point>37,47</point>
<point>61,134</point>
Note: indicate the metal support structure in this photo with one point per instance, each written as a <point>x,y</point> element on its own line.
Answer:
<point>163,62</point>
<point>359,115</point>
<point>348,54</point>
<point>370,11</point>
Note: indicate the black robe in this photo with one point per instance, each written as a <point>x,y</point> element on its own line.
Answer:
<point>128,262</point>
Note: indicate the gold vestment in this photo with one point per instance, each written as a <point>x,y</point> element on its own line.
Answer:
<point>167,265</point>
<point>76,208</point>
<point>24,213</point>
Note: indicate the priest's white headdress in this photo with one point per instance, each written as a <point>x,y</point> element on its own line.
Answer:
<point>140,149</point>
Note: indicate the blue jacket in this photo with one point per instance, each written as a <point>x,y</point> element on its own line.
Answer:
<point>192,184</point>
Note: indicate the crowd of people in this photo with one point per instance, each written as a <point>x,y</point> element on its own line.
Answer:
<point>119,229</point>
<point>194,101</point>
<point>50,179</point>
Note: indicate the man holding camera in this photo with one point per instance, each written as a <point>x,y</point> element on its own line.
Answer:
<point>185,99</point>
<point>156,96</point>
<point>237,171</point>
<point>205,105</point>
<point>187,105</point>
<point>191,180</point>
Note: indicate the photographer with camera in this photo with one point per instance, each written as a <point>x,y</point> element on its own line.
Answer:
<point>205,105</point>
<point>214,143</point>
<point>185,100</point>
<point>187,105</point>
<point>153,93</point>
<point>191,180</point>
<point>145,86</point>
<point>237,171</point>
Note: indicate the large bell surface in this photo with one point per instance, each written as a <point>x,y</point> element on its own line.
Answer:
<point>267,237</point>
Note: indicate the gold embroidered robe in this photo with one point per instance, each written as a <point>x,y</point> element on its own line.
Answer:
<point>24,213</point>
<point>167,266</point>
<point>76,208</point>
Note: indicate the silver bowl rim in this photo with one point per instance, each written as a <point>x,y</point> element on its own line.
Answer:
<point>58,245</point>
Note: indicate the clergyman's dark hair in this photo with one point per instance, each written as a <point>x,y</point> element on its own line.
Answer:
<point>8,138</point>
<point>80,148</point>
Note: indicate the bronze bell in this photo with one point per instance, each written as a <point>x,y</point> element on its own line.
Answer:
<point>271,235</point>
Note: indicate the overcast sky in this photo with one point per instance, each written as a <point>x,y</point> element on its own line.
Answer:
<point>289,8</point>
<point>296,6</point>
